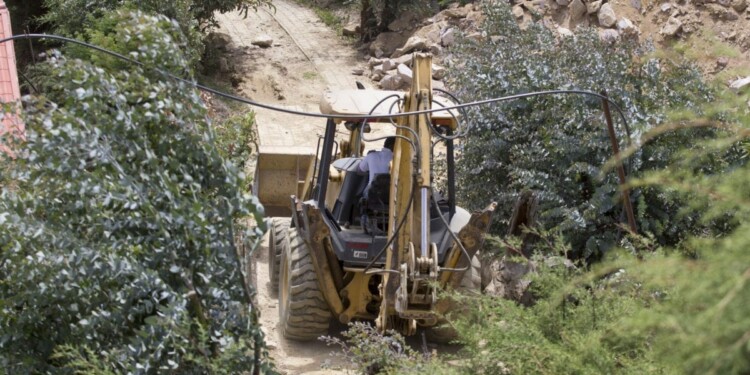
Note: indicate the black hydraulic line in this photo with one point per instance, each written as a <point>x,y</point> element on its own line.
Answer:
<point>325,161</point>
<point>451,161</point>
<point>320,115</point>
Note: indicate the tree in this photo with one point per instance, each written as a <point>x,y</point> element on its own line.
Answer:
<point>118,222</point>
<point>557,145</point>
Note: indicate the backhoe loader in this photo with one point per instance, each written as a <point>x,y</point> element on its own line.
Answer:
<point>325,263</point>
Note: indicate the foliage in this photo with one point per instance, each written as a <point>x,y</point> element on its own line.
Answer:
<point>235,135</point>
<point>76,18</point>
<point>118,249</point>
<point>528,144</point>
<point>374,353</point>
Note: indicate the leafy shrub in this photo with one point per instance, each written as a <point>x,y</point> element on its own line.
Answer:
<point>557,145</point>
<point>75,17</point>
<point>118,221</point>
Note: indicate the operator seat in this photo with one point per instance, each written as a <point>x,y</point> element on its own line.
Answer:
<point>375,205</point>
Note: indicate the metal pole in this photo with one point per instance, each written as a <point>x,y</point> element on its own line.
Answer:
<point>620,169</point>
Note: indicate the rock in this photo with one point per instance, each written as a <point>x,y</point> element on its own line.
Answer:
<point>455,12</point>
<point>636,4</point>
<point>351,29</point>
<point>565,32</point>
<point>563,3</point>
<point>475,36</point>
<point>219,41</point>
<point>431,33</point>
<point>607,16</point>
<point>388,64</point>
<point>374,62</point>
<point>405,73</point>
<point>391,82</point>
<point>721,63</point>
<point>438,72</point>
<point>609,35</point>
<point>448,37</point>
<point>666,7</point>
<point>626,27</point>
<point>739,6</point>
<point>518,11</point>
<point>379,70</point>
<point>358,71</point>
<point>740,83</point>
<point>495,38</point>
<point>405,59</point>
<point>672,28</point>
<point>376,77</point>
<point>263,41</point>
<point>593,6</point>
<point>436,50</point>
<point>577,11</point>
<point>720,13</point>
<point>387,43</point>
<point>414,43</point>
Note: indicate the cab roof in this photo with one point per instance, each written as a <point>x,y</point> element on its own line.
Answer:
<point>344,103</point>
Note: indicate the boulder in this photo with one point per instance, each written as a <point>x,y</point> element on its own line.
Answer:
<point>405,73</point>
<point>672,28</point>
<point>414,43</point>
<point>666,7</point>
<point>436,50</point>
<point>374,62</point>
<point>389,64</point>
<point>563,3</point>
<point>387,43</point>
<point>626,27</point>
<point>391,82</point>
<point>218,41</point>
<point>448,37</point>
<point>593,6</point>
<point>351,29</point>
<point>565,32</point>
<point>405,59</point>
<point>518,11</point>
<point>739,6</point>
<point>577,11</point>
<point>263,41</point>
<point>607,16</point>
<point>431,33</point>
<point>609,35</point>
<point>740,83</point>
<point>379,70</point>
<point>455,12</point>
<point>438,72</point>
<point>358,71</point>
<point>720,13</point>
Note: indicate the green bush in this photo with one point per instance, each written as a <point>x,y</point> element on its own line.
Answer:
<point>76,18</point>
<point>119,221</point>
<point>557,145</point>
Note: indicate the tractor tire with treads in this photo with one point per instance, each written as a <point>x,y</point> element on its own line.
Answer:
<point>278,240</point>
<point>303,311</point>
<point>471,283</point>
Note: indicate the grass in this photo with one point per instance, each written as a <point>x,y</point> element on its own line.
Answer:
<point>310,75</point>
<point>705,47</point>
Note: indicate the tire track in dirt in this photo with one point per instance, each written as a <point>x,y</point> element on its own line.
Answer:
<point>306,58</point>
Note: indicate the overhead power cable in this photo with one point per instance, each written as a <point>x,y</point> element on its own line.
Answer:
<point>320,115</point>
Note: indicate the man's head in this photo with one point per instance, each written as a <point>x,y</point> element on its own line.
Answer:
<point>390,143</point>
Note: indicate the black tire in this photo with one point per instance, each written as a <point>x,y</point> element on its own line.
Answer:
<point>471,283</point>
<point>303,311</point>
<point>278,240</point>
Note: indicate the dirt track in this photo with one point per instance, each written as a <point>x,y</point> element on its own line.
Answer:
<point>305,59</point>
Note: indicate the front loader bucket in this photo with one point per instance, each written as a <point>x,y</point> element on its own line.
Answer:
<point>281,172</point>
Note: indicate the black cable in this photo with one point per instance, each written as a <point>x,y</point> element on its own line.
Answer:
<point>319,115</point>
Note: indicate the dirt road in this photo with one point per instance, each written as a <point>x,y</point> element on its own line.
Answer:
<point>306,58</point>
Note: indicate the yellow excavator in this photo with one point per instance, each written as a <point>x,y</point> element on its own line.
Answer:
<point>326,263</point>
